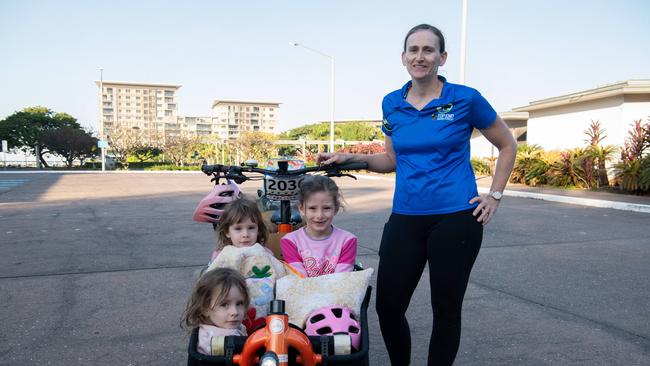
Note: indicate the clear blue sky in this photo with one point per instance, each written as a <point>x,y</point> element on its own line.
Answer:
<point>518,51</point>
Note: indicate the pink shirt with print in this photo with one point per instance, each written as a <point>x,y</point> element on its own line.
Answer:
<point>312,258</point>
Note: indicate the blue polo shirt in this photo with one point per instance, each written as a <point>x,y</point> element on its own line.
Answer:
<point>432,148</point>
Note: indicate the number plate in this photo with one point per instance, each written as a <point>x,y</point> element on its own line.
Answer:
<point>282,188</point>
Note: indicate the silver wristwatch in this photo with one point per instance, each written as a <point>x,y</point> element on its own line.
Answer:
<point>496,195</point>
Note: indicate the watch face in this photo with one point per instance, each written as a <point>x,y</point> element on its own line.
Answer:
<point>496,195</point>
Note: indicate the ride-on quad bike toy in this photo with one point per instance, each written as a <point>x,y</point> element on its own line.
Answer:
<point>278,342</point>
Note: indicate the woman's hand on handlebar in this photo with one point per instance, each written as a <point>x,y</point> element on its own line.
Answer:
<point>333,158</point>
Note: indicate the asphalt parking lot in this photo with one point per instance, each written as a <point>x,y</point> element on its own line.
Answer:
<point>96,269</point>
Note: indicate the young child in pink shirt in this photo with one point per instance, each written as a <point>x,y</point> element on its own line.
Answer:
<point>319,247</point>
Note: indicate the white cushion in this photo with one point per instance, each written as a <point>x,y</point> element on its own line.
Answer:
<point>304,295</point>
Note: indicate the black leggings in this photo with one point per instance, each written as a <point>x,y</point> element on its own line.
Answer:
<point>450,243</point>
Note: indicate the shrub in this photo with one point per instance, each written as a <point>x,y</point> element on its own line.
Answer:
<point>632,171</point>
<point>538,168</point>
<point>569,171</point>
<point>628,175</point>
<point>172,167</point>
<point>598,154</point>
<point>373,148</point>
<point>644,179</point>
<point>142,165</point>
<point>480,166</point>
<point>527,156</point>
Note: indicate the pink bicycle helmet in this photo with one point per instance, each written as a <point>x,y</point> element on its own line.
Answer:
<point>332,320</point>
<point>211,206</point>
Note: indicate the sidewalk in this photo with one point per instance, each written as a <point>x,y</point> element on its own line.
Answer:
<point>617,201</point>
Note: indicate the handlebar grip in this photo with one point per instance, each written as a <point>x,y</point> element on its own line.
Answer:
<point>353,166</point>
<point>209,169</point>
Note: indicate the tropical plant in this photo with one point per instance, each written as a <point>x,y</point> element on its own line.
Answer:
<point>630,170</point>
<point>480,166</point>
<point>598,155</point>
<point>538,168</point>
<point>628,175</point>
<point>569,171</point>
<point>644,179</point>
<point>527,156</point>
<point>637,141</point>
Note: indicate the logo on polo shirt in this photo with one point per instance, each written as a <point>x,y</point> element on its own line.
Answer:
<point>386,125</point>
<point>442,113</point>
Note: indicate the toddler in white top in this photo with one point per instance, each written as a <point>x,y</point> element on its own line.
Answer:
<point>242,226</point>
<point>217,307</point>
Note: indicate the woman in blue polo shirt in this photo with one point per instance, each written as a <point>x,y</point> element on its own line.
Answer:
<point>438,215</point>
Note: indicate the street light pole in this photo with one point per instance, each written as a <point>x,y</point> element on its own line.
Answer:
<point>332,95</point>
<point>101,117</point>
<point>463,42</point>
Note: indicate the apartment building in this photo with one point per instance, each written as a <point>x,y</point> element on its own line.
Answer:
<point>142,105</point>
<point>232,117</point>
<point>154,107</point>
<point>200,126</point>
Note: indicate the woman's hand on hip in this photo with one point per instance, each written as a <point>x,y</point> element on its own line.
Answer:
<point>487,207</point>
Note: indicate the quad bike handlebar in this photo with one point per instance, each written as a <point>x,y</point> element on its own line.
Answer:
<point>238,174</point>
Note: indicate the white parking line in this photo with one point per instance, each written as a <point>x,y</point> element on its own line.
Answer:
<point>6,184</point>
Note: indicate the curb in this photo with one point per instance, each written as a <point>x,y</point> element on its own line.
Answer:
<point>616,205</point>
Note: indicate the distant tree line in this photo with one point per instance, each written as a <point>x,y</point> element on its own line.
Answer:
<point>351,131</point>
<point>39,131</point>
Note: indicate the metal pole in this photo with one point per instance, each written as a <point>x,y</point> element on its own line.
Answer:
<point>332,87</point>
<point>101,117</point>
<point>332,109</point>
<point>4,155</point>
<point>463,43</point>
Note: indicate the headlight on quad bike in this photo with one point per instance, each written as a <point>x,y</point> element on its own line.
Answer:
<point>269,359</point>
